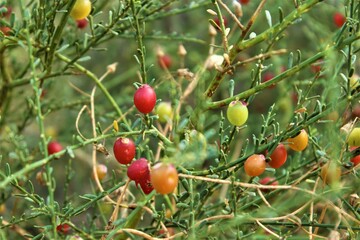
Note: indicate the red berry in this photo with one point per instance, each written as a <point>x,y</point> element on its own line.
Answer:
<point>124,150</point>
<point>82,23</point>
<point>5,30</point>
<point>268,181</point>
<point>316,67</point>
<point>244,1</point>
<point>145,99</point>
<point>63,228</point>
<point>54,147</point>
<point>217,21</point>
<point>267,77</point>
<point>339,19</point>
<point>164,61</point>
<point>255,165</point>
<point>146,184</point>
<point>278,156</point>
<point>138,170</point>
<point>355,160</point>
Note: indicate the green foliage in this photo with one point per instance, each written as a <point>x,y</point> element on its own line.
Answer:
<point>60,82</point>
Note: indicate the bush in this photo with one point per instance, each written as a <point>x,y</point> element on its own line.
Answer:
<point>285,69</point>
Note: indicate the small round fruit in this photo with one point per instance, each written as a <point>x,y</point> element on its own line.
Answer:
<point>101,171</point>
<point>299,142</point>
<point>2,208</point>
<point>267,77</point>
<point>164,111</point>
<point>268,181</point>
<point>317,66</point>
<point>82,23</point>
<point>354,138</point>
<point>146,184</point>
<point>237,113</point>
<point>164,178</point>
<point>124,150</point>
<point>164,61</point>
<point>244,1</point>
<point>145,99</point>
<point>255,165</point>
<point>330,173</point>
<point>217,21</point>
<point>138,170</point>
<point>278,156</point>
<point>63,228</point>
<point>5,30</point>
<point>339,19</point>
<point>54,147</point>
<point>355,160</point>
<point>81,9</point>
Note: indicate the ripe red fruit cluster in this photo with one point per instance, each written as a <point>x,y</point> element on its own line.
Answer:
<point>139,172</point>
<point>54,147</point>
<point>145,99</point>
<point>63,228</point>
<point>339,19</point>
<point>124,150</point>
<point>82,23</point>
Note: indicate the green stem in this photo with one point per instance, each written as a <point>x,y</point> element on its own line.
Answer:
<point>39,163</point>
<point>241,45</point>
<point>57,36</point>
<point>139,38</point>
<point>99,84</point>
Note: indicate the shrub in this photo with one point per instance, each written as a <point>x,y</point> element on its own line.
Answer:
<point>62,83</point>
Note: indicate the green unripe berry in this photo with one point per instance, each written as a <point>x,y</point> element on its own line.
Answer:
<point>354,138</point>
<point>164,111</point>
<point>237,113</point>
